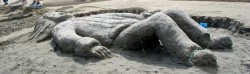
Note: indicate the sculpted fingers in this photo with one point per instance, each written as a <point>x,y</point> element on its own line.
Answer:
<point>94,53</point>
<point>106,52</point>
<point>101,52</point>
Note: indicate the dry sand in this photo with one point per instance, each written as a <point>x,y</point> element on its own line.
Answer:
<point>217,0</point>
<point>18,56</point>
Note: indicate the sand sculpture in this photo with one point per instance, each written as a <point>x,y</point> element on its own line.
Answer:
<point>92,34</point>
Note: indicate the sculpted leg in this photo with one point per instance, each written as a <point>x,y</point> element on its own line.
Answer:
<point>171,36</point>
<point>196,32</point>
<point>65,37</point>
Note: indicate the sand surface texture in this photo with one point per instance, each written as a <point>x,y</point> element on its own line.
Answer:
<point>18,55</point>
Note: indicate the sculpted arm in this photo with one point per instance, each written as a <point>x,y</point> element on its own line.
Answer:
<point>66,38</point>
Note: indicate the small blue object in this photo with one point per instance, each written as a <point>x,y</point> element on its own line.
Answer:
<point>203,24</point>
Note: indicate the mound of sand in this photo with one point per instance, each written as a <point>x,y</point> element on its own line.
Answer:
<point>17,55</point>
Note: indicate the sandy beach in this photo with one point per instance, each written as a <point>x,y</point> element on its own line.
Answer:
<point>18,55</point>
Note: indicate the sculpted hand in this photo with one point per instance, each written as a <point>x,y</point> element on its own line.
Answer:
<point>100,52</point>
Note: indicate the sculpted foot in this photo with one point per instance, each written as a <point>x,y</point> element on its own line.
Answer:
<point>202,58</point>
<point>221,42</point>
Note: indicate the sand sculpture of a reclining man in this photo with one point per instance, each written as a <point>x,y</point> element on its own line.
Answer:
<point>92,34</point>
